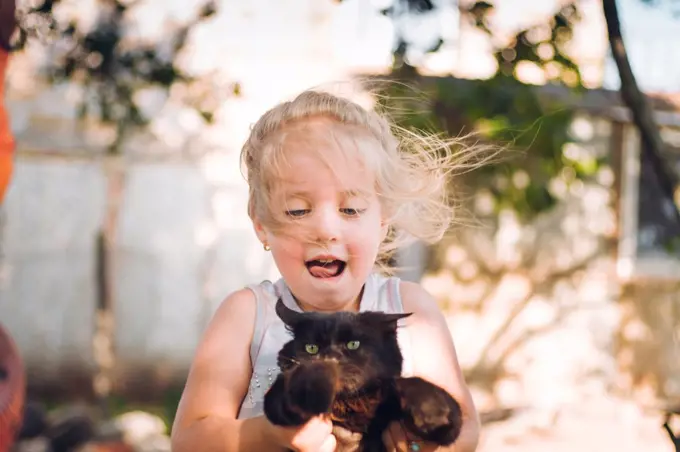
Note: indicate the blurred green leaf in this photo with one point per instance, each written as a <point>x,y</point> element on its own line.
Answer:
<point>505,111</point>
<point>109,72</point>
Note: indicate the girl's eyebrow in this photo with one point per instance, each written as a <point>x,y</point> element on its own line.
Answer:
<point>297,194</point>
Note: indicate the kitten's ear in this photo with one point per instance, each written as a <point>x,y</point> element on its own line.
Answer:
<point>382,320</point>
<point>289,317</point>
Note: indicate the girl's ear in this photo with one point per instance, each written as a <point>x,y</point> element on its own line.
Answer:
<point>289,317</point>
<point>381,321</point>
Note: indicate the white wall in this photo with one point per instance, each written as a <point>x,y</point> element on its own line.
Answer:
<point>52,213</point>
<point>183,240</point>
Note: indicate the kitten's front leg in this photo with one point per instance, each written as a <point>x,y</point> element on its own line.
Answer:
<point>276,406</point>
<point>298,395</point>
<point>429,411</point>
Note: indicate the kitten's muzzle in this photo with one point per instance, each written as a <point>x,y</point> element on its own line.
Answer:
<point>311,387</point>
<point>344,377</point>
<point>328,368</point>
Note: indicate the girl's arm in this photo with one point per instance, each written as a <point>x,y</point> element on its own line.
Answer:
<point>217,382</point>
<point>435,358</point>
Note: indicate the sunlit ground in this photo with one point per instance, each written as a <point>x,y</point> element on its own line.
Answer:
<point>598,424</point>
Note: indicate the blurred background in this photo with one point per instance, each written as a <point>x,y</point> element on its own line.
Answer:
<point>125,222</point>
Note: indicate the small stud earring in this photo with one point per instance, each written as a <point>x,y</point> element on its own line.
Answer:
<point>266,247</point>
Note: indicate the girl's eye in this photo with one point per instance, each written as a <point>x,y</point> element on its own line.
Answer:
<point>312,349</point>
<point>353,345</point>
<point>352,212</point>
<point>297,212</point>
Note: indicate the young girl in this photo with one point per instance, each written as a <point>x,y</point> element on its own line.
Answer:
<point>331,193</point>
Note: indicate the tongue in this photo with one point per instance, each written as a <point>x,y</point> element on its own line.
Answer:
<point>324,271</point>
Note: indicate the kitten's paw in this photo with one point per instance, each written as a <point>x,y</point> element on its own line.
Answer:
<point>276,406</point>
<point>311,388</point>
<point>430,411</point>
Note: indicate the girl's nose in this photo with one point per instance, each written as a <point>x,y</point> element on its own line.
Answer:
<point>328,225</point>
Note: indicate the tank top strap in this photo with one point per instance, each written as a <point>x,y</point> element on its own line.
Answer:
<point>387,294</point>
<point>266,294</point>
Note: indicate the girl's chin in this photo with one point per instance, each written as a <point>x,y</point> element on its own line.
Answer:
<point>327,294</point>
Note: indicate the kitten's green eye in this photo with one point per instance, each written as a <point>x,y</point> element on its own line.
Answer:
<point>353,345</point>
<point>312,349</point>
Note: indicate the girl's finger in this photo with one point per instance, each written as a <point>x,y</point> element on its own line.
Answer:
<point>313,432</point>
<point>319,426</point>
<point>327,423</point>
<point>346,439</point>
<point>329,444</point>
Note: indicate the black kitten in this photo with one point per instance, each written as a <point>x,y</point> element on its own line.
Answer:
<point>348,365</point>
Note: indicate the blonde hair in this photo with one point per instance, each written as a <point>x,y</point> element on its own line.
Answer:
<point>412,170</point>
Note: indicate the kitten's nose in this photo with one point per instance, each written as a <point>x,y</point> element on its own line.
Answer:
<point>324,366</point>
<point>333,356</point>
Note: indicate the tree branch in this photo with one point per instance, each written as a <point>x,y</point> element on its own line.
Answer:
<point>640,109</point>
<point>674,438</point>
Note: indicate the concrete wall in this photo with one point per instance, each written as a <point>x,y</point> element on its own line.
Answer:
<point>48,290</point>
<point>173,260</point>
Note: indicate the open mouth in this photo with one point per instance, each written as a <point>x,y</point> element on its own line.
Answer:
<point>325,268</point>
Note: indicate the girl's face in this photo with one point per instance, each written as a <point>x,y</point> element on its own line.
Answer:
<point>336,226</point>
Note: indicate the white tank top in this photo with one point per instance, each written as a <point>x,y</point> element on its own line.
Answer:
<point>380,294</point>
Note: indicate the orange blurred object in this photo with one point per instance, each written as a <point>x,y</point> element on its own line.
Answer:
<point>12,376</point>
<point>6,137</point>
<point>5,173</point>
<point>12,391</point>
<point>7,28</point>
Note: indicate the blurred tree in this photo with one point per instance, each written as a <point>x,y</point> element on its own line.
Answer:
<point>653,146</point>
<point>110,68</point>
<point>503,109</point>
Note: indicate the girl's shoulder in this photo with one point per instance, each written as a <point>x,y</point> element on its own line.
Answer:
<point>247,303</point>
<point>247,299</point>
<point>415,298</point>
<point>237,307</point>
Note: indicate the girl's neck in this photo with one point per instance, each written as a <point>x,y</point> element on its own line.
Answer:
<point>352,305</point>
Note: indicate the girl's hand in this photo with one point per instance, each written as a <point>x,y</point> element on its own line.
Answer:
<point>315,435</point>
<point>347,441</point>
<point>396,439</point>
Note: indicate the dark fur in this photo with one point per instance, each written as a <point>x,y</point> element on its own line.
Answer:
<point>361,389</point>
